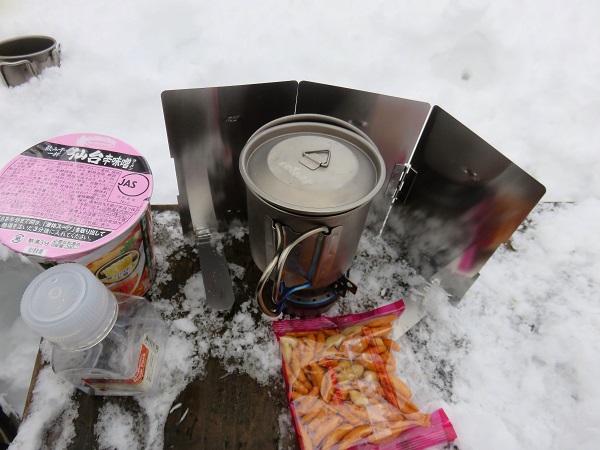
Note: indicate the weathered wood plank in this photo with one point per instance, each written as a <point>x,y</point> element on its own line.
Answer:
<point>225,412</point>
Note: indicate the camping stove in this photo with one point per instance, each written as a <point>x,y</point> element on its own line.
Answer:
<point>312,302</point>
<point>435,191</point>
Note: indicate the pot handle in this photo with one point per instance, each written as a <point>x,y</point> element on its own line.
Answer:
<point>30,68</point>
<point>276,265</point>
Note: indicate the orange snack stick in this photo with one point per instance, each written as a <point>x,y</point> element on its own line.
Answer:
<point>355,344</point>
<point>372,361</point>
<point>308,350</point>
<point>359,412</point>
<point>379,346</point>
<point>299,334</point>
<point>308,384</point>
<point>400,387</point>
<point>326,427</point>
<point>396,398</point>
<point>354,436</point>
<point>318,410</point>
<point>379,331</point>
<point>306,402</point>
<point>297,372</point>
<point>391,344</point>
<point>331,332</point>
<point>408,407</point>
<point>320,342</point>
<point>336,435</point>
<point>316,373</point>
<point>298,386</point>
<point>327,386</point>
<point>318,421</point>
<point>383,433</point>
<point>382,321</point>
<point>349,416</point>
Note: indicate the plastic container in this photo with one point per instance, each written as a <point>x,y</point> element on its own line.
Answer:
<point>103,343</point>
<point>82,198</point>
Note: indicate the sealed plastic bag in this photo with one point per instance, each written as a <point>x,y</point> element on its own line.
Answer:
<point>342,385</point>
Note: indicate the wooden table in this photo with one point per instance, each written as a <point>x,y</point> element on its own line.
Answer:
<point>225,412</point>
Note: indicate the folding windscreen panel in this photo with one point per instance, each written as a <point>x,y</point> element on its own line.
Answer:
<point>450,198</point>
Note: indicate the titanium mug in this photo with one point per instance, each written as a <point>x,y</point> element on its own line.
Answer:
<point>24,57</point>
<point>309,182</point>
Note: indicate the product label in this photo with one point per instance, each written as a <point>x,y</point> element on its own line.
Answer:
<point>119,268</point>
<point>142,379</point>
<point>70,195</point>
<point>128,265</point>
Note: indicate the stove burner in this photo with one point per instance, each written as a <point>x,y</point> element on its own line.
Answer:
<point>307,302</point>
<point>312,302</point>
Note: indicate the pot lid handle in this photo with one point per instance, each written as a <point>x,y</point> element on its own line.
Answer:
<point>315,158</point>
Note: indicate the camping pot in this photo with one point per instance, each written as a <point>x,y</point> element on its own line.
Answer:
<point>310,180</point>
<point>23,58</point>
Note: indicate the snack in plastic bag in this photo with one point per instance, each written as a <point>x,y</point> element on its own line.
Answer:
<point>342,387</point>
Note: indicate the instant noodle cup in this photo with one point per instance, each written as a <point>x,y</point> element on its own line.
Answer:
<point>82,198</point>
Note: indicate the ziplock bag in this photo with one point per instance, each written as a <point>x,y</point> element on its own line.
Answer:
<point>342,386</point>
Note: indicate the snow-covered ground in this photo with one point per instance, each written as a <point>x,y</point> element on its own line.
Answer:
<point>523,75</point>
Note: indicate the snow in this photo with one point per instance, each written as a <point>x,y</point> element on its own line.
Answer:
<point>515,363</point>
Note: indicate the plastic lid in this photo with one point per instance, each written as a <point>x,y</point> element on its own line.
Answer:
<point>68,196</point>
<point>69,306</point>
<point>312,168</point>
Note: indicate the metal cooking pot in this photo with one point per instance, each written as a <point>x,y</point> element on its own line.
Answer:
<point>310,179</point>
<point>23,58</point>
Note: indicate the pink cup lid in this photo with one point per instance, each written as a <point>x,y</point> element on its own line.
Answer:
<point>70,195</point>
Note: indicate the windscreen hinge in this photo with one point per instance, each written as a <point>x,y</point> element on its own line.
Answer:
<point>400,182</point>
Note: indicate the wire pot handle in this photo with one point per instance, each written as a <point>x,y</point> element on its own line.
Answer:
<point>276,265</point>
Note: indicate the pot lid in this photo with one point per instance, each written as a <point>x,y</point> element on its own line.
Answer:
<point>312,168</point>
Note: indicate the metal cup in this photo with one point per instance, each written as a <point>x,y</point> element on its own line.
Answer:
<point>24,57</point>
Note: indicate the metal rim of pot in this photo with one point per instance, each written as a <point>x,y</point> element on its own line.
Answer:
<point>26,57</point>
<point>39,45</point>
